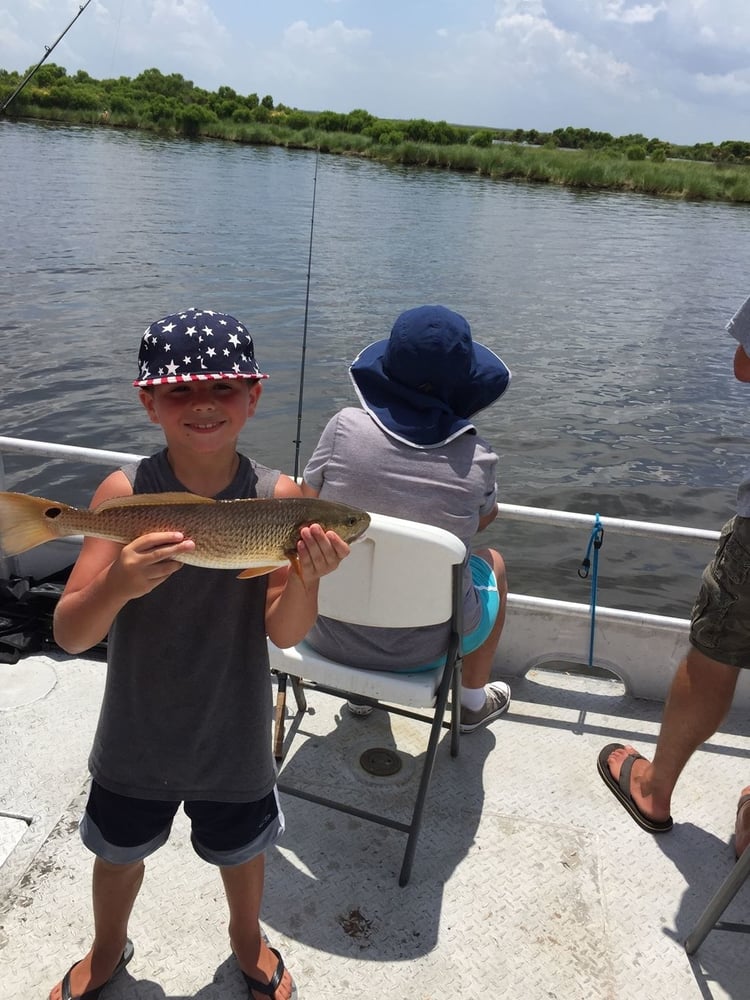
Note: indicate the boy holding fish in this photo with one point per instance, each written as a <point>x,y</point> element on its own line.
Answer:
<point>186,711</point>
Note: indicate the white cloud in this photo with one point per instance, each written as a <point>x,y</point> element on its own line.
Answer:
<point>531,43</point>
<point>731,84</point>
<point>618,10</point>
<point>190,25</point>
<point>333,39</point>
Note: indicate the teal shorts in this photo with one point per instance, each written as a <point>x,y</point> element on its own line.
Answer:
<point>489,601</point>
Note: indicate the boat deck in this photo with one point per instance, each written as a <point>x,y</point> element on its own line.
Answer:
<point>529,880</point>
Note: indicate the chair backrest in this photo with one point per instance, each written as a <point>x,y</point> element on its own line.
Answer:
<point>399,575</point>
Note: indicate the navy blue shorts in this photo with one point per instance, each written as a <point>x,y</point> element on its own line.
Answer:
<point>123,830</point>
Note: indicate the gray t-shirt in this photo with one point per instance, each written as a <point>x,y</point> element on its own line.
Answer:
<point>450,486</point>
<point>739,328</point>
<point>187,705</point>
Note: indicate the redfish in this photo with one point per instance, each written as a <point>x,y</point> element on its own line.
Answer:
<point>256,536</point>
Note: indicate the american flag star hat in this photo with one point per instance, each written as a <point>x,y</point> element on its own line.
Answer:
<point>196,345</point>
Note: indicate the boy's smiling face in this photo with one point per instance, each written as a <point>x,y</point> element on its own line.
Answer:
<point>202,415</point>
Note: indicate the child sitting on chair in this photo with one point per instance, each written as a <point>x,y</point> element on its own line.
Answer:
<point>413,452</point>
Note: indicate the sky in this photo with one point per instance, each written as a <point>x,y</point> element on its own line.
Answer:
<point>678,70</point>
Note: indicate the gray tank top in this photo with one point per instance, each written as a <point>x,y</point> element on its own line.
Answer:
<point>187,705</point>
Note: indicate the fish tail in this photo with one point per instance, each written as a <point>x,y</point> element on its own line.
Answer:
<point>26,522</point>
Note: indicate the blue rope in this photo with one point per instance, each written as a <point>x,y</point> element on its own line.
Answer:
<point>595,541</point>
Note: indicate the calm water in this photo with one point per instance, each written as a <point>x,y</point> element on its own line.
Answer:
<point>609,309</point>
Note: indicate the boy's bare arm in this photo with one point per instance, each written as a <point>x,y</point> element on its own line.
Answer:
<point>107,575</point>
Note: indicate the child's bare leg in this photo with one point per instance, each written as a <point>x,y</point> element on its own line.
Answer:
<point>477,666</point>
<point>243,885</point>
<point>114,891</point>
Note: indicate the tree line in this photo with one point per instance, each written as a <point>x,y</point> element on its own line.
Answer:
<point>169,102</point>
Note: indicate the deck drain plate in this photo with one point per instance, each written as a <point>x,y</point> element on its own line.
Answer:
<point>380,761</point>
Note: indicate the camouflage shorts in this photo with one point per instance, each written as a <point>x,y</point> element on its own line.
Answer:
<point>720,621</point>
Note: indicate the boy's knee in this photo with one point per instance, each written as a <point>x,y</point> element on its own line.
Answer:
<point>134,868</point>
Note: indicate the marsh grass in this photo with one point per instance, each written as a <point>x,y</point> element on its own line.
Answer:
<point>579,169</point>
<point>582,169</point>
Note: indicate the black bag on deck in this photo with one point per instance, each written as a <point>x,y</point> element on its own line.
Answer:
<point>26,610</point>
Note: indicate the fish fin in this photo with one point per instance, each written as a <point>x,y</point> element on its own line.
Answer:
<point>256,571</point>
<point>152,500</point>
<point>24,523</point>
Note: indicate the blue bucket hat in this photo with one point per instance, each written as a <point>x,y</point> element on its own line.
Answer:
<point>424,382</point>
<point>195,346</point>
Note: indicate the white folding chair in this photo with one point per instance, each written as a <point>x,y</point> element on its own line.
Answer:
<point>401,574</point>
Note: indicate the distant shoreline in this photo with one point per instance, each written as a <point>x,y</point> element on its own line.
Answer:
<point>171,106</point>
<point>581,170</point>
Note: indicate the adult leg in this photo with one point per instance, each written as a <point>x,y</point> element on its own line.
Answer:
<point>243,885</point>
<point>699,698</point>
<point>114,891</point>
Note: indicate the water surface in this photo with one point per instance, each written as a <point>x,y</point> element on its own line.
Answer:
<point>608,308</point>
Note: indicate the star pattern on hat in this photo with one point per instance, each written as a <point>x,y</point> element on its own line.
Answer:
<point>196,345</point>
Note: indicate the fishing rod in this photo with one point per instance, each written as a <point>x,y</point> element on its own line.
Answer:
<point>47,50</point>
<point>297,440</point>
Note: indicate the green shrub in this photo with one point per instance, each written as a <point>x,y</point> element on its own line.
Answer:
<point>482,138</point>
<point>390,138</point>
<point>193,118</point>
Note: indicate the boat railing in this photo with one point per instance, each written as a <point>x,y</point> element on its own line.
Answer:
<point>562,518</point>
<point>640,649</point>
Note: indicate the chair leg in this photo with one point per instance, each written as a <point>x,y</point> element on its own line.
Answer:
<point>720,901</point>
<point>456,709</point>
<point>299,694</point>
<point>424,782</point>
<point>278,726</point>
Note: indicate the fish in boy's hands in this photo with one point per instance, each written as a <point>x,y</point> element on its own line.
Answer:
<point>256,536</point>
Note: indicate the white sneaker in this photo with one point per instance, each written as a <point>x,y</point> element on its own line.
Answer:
<point>358,709</point>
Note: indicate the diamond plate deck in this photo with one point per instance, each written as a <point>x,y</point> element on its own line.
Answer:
<point>529,880</point>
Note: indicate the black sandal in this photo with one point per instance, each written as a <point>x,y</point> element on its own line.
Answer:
<point>93,994</point>
<point>269,989</point>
